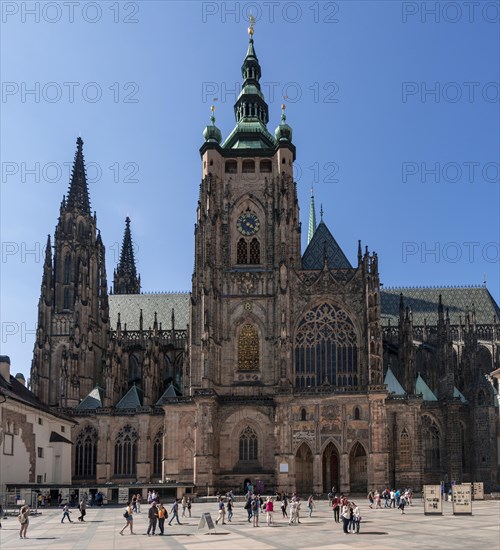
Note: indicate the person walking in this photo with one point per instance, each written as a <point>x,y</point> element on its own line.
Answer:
<point>310,505</point>
<point>153,518</point>
<point>138,503</point>
<point>356,517</point>
<point>190,503</point>
<point>128,515</point>
<point>66,513</point>
<point>83,509</point>
<point>248,508</point>
<point>23,518</point>
<point>284,504</point>
<point>175,513</point>
<point>184,505</point>
<point>370,499</point>
<point>255,511</point>
<point>229,509</point>
<point>336,509</point>
<point>269,511</point>
<point>402,504</point>
<point>222,512</point>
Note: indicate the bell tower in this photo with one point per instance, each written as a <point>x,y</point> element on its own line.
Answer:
<point>247,238</point>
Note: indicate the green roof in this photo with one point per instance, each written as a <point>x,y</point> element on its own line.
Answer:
<point>421,388</point>
<point>423,302</point>
<point>393,386</point>
<point>129,306</point>
<point>131,400</point>
<point>92,401</point>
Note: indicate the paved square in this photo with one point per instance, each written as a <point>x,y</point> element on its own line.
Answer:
<point>380,529</point>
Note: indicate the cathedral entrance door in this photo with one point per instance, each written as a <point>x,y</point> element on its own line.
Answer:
<point>358,469</point>
<point>304,470</point>
<point>330,468</point>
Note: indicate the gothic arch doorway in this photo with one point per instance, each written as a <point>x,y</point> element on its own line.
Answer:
<point>330,468</point>
<point>358,469</point>
<point>303,469</point>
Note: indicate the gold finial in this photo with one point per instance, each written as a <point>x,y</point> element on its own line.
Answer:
<point>251,18</point>
<point>212,108</point>
<point>283,106</point>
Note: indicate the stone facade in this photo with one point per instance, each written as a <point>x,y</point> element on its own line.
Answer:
<point>293,369</point>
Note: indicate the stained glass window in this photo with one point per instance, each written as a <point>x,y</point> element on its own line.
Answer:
<point>126,452</point>
<point>248,444</point>
<point>248,348</point>
<point>86,452</point>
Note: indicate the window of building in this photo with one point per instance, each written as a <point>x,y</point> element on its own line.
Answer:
<point>126,452</point>
<point>40,421</point>
<point>356,413</point>
<point>134,371</point>
<point>326,348</point>
<point>303,414</point>
<point>248,252</point>
<point>404,449</point>
<point>39,479</point>
<point>40,452</point>
<point>266,166</point>
<point>231,167</point>
<point>248,166</point>
<point>248,445</point>
<point>248,348</point>
<point>242,252</point>
<point>157,454</point>
<point>66,299</point>
<point>254,251</point>
<point>67,269</point>
<point>86,452</point>
<point>431,444</point>
<point>63,429</point>
<point>8,444</point>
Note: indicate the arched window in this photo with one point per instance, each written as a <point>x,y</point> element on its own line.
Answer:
<point>325,348</point>
<point>266,166</point>
<point>431,444</point>
<point>463,447</point>
<point>86,453</point>
<point>248,445</point>
<point>481,398</point>
<point>67,269</point>
<point>231,167</point>
<point>404,449</point>
<point>66,299</point>
<point>356,413</point>
<point>242,252</point>
<point>254,251</point>
<point>134,371</point>
<point>126,452</point>
<point>248,348</point>
<point>157,454</point>
<point>248,166</point>
<point>303,414</point>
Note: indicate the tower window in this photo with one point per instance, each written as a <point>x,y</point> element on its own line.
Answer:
<point>254,251</point>
<point>231,167</point>
<point>67,269</point>
<point>241,252</point>
<point>248,348</point>
<point>266,166</point>
<point>248,166</point>
<point>356,413</point>
<point>248,252</point>
<point>303,414</point>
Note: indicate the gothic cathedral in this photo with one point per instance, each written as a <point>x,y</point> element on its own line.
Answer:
<point>290,369</point>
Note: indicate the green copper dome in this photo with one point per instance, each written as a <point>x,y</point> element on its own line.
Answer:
<point>212,133</point>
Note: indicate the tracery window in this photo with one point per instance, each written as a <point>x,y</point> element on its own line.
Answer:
<point>356,413</point>
<point>157,453</point>
<point>254,252</point>
<point>67,269</point>
<point>404,449</point>
<point>248,444</point>
<point>325,348</point>
<point>126,452</point>
<point>248,252</point>
<point>248,348</point>
<point>431,444</point>
<point>86,452</point>
<point>241,252</point>
<point>134,371</point>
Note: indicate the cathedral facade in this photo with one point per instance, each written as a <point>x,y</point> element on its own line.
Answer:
<point>295,370</point>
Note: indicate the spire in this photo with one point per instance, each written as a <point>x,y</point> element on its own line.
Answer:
<point>312,218</point>
<point>78,193</point>
<point>126,280</point>
<point>211,132</point>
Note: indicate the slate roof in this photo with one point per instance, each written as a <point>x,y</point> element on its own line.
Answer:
<point>171,391</point>
<point>130,305</point>
<point>92,401</point>
<point>131,400</point>
<point>424,304</point>
<point>58,438</point>
<point>314,254</point>
<point>421,388</point>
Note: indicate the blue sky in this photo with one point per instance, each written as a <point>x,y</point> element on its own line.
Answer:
<point>394,110</point>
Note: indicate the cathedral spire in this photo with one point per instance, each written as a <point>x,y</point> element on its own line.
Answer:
<point>126,280</point>
<point>78,193</point>
<point>312,218</point>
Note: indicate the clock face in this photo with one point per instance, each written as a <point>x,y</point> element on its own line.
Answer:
<point>248,224</point>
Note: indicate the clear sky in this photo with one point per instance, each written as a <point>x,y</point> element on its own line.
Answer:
<point>394,108</point>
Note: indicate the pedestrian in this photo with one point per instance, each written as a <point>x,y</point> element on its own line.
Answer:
<point>255,511</point>
<point>393,499</point>
<point>134,503</point>
<point>345,518</point>
<point>297,510</point>
<point>310,505</point>
<point>248,508</point>
<point>370,499</point>
<point>66,513</point>
<point>128,515</point>
<point>138,503</point>
<point>351,527</point>
<point>162,516</point>
<point>175,512</point>
<point>293,507</point>
<point>83,509</point>
<point>356,517</point>
<point>229,509</point>
<point>153,518</point>
<point>336,509</point>
<point>402,503</point>
<point>23,518</point>
<point>284,504</point>
<point>222,512</point>
<point>269,511</point>
<point>184,506</point>
<point>190,503</point>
